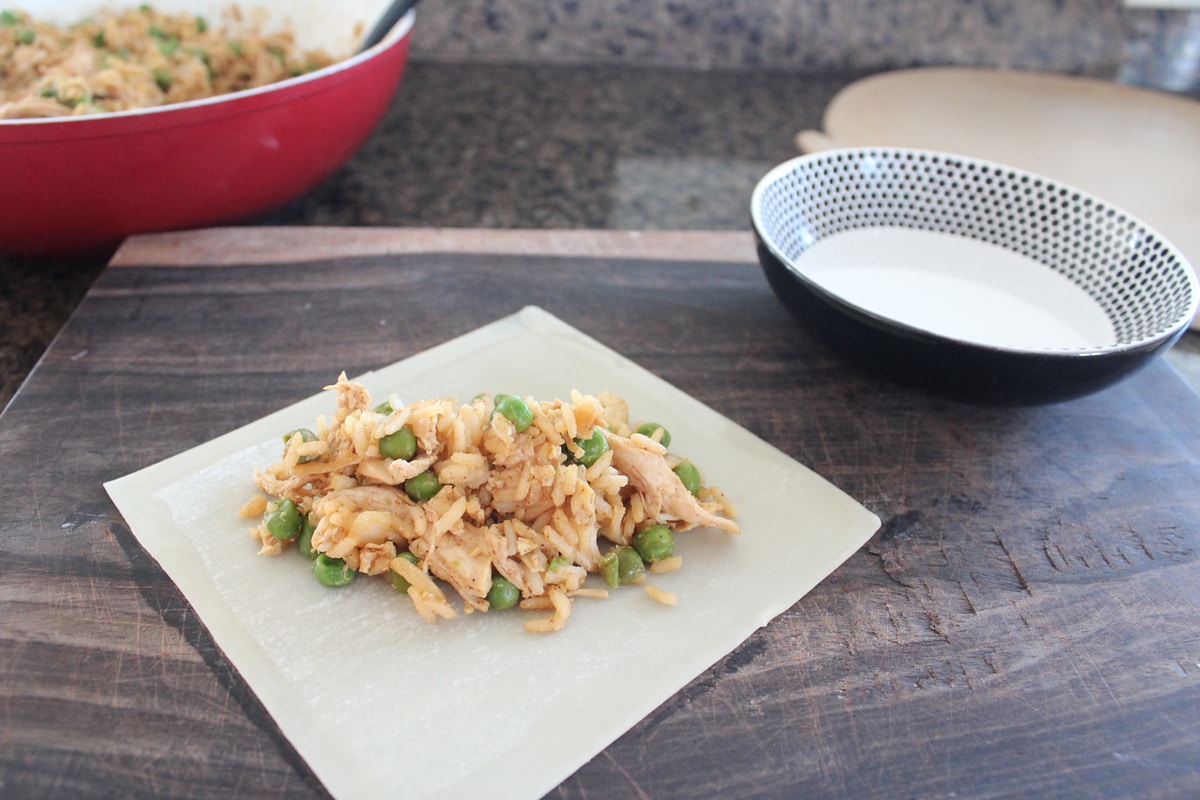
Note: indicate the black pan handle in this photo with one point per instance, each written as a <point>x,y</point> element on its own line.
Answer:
<point>390,17</point>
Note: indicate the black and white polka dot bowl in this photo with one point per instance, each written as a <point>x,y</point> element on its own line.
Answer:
<point>967,278</point>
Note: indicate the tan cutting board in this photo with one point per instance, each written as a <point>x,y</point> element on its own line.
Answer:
<point>1135,148</point>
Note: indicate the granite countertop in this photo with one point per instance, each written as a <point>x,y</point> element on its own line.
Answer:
<point>513,146</point>
<point>488,145</point>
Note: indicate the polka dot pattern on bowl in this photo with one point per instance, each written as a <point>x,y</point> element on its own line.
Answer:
<point>1142,282</point>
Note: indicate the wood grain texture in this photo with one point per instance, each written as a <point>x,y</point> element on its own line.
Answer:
<point>1023,624</point>
<point>274,245</point>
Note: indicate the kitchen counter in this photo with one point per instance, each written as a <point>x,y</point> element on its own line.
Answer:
<point>1021,624</point>
<point>525,146</point>
<point>522,146</point>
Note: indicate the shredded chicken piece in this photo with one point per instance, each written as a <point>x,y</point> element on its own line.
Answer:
<point>461,559</point>
<point>642,460</point>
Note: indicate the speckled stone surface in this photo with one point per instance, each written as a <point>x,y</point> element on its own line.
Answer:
<point>1101,38</point>
<point>35,300</point>
<point>536,146</point>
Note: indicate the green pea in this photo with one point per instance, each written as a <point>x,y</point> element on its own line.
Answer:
<point>621,565</point>
<point>305,436</point>
<point>398,580</point>
<point>332,571</point>
<point>630,566</point>
<point>608,569</point>
<point>384,408</point>
<point>304,540</point>
<point>689,475</point>
<point>422,487</point>
<point>654,543</point>
<point>648,429</point>
<point>283,521</point>
<point>400,444</point>
<point>515,410</point>
<point>503,593</point>
<point>592,448</point>
<point>558,562</point>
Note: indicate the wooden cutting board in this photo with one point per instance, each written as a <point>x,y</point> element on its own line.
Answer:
<point>1023,623</point>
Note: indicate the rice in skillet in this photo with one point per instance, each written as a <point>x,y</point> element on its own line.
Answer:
<point>137,59</point>
<point>503,499</point>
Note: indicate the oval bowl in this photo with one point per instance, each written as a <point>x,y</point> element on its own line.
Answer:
<point>968,278</point>
<point>79,185</point>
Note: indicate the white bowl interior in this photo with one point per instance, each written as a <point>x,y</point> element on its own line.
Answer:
<point>960,288</point>
<point>974,251</point>
<point>334,28</point>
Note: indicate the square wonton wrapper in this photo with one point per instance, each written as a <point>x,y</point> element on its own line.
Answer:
<point>364,689</point>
